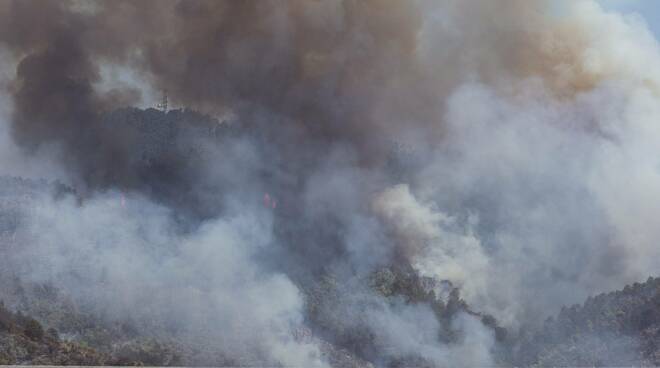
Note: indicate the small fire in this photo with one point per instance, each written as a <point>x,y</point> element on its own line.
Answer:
<point>270,202</point>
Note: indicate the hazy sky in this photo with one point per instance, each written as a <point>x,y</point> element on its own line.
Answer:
<point>648,9</point>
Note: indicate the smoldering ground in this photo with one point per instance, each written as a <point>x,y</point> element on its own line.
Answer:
<point>506,148</point>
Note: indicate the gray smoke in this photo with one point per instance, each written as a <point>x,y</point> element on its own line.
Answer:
<point>509,148</point>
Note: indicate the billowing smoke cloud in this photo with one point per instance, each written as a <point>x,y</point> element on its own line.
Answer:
<point>195,287</point>
<point>509,149</point>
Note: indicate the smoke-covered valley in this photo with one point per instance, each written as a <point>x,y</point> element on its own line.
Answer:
<point>335,183</point>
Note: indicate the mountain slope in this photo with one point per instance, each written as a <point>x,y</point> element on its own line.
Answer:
<point>618,328</point>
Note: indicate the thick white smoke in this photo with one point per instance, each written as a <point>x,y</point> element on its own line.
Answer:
<point>121,256</point>
<point>555,189</point>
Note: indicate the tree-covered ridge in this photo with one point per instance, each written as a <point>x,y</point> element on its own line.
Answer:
<point>616,328</point>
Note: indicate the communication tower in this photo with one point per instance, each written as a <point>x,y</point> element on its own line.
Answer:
<point>162,105</point>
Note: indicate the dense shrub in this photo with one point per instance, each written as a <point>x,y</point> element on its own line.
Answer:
<point>33,329</point>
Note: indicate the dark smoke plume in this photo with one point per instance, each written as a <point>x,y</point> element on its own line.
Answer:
<point>331,71</point>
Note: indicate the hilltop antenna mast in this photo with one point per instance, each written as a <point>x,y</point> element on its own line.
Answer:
<point>162,105</point>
